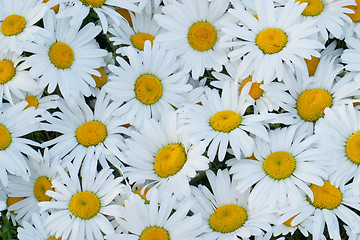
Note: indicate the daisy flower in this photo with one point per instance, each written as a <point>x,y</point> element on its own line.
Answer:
<point>276,38</point>
<point>330,204</point>
<point>67,57</point>
<point>35,228</point>
<point>220,121</point>
<point>85,132</point>
<point>160,154</point>
<point>143,27</point>
<point>79,9</point>
<point>14,76</point>
<point>157,220</point>
<point>42,172</point>
<point>192,29</point>
<point>339,135</point>
<point>267,98</point>
<point>18,19</point>
<point>150,85</point>
<point>282,169</point>
<point>351,55</point>
<point>82,202</point>
<point>311,95</point>
<point>226,212</point>
<point>15,122</point>
<point>282,229</point>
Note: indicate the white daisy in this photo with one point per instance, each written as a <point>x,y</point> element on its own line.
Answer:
<point>79,9</point>
<point>339,136</point>
<point>311,95</point>
<point>192,29</point>
<point>143,27</point>
<point>226,212</point>
<point>18,19</point>
<point>104,75</point>
<point>160,154</point>
<point>14,76</point>
<point>330,205</point>
<point>223,120</point>
<point>34,229</point>
<point>351,55</point>
<point>282,169</point>
<point>275,38</point>
<point>85,132</point>
<point>157,220</point>
<point>15,122</point>
<point>42,172</point>
<point>67,57</point>
<point>82,202</point>
<point>150,85</point>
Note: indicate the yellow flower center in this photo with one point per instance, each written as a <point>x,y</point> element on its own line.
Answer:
<point>5,137</point>
<point>148,89</point>
<point>143,196</point>
<point>100,81</point>
<point>312,103</point>
<point>314,7</point>
<point>13,25</point>
<point>7,71</point>
<point>54,8</point>
<point>225,121</point>
<point>271,40</point>
<point>154,233</point>
<point>312,65</point>
<point>12,200</point>
<point>32,102</point>
<point>91,133</point>
<point>327,196</point>
<point>279,165</point>
<point>355,17</point>
<point>93,3</point>
<point>84,205</point>
<point>125,14</point>
<point>228,218</point>
<point>170,160</point>
<point>353,148</point>
<point>42,184</point>
<point>53,238</point>
<point>61,55</point>
<point>138,39</point>
<point>202,36</point>
<point>255,90</point>
<point>288,222</point>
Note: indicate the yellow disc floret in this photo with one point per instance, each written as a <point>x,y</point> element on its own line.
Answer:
<point>202,36</point>
<point>32,102</point>
<point>313,8</point>
<point>125,14</point>
<point>41,186</point>
<point>91,133</point>
<point>288,222</point>
<point>54,8</point>
<point>93,3</point>
<point>170,160</point>
<point>84,205</point>
<point>312,103</point>
<point>5,137</point>
<point>61,55</point>
<point>228,218</point>
<point>143,196</point>
<point>312,65</point>
<point>148,89</point>
<point>279,165</point>
<point>154,233</point>
<point>53,238</point>
<point>12,200</point>
<point>353,148</point>
<point>100,81</point>
<point>138,39</point>
<point>271,40</point>
<point>355,17</point>
<point>327,196</point>
<point>13,25</point>
<point>255,90</point>
<point>225,121</point>
<point>7,71</point>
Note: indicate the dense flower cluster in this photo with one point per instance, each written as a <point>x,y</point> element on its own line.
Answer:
<point>180,119</point>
